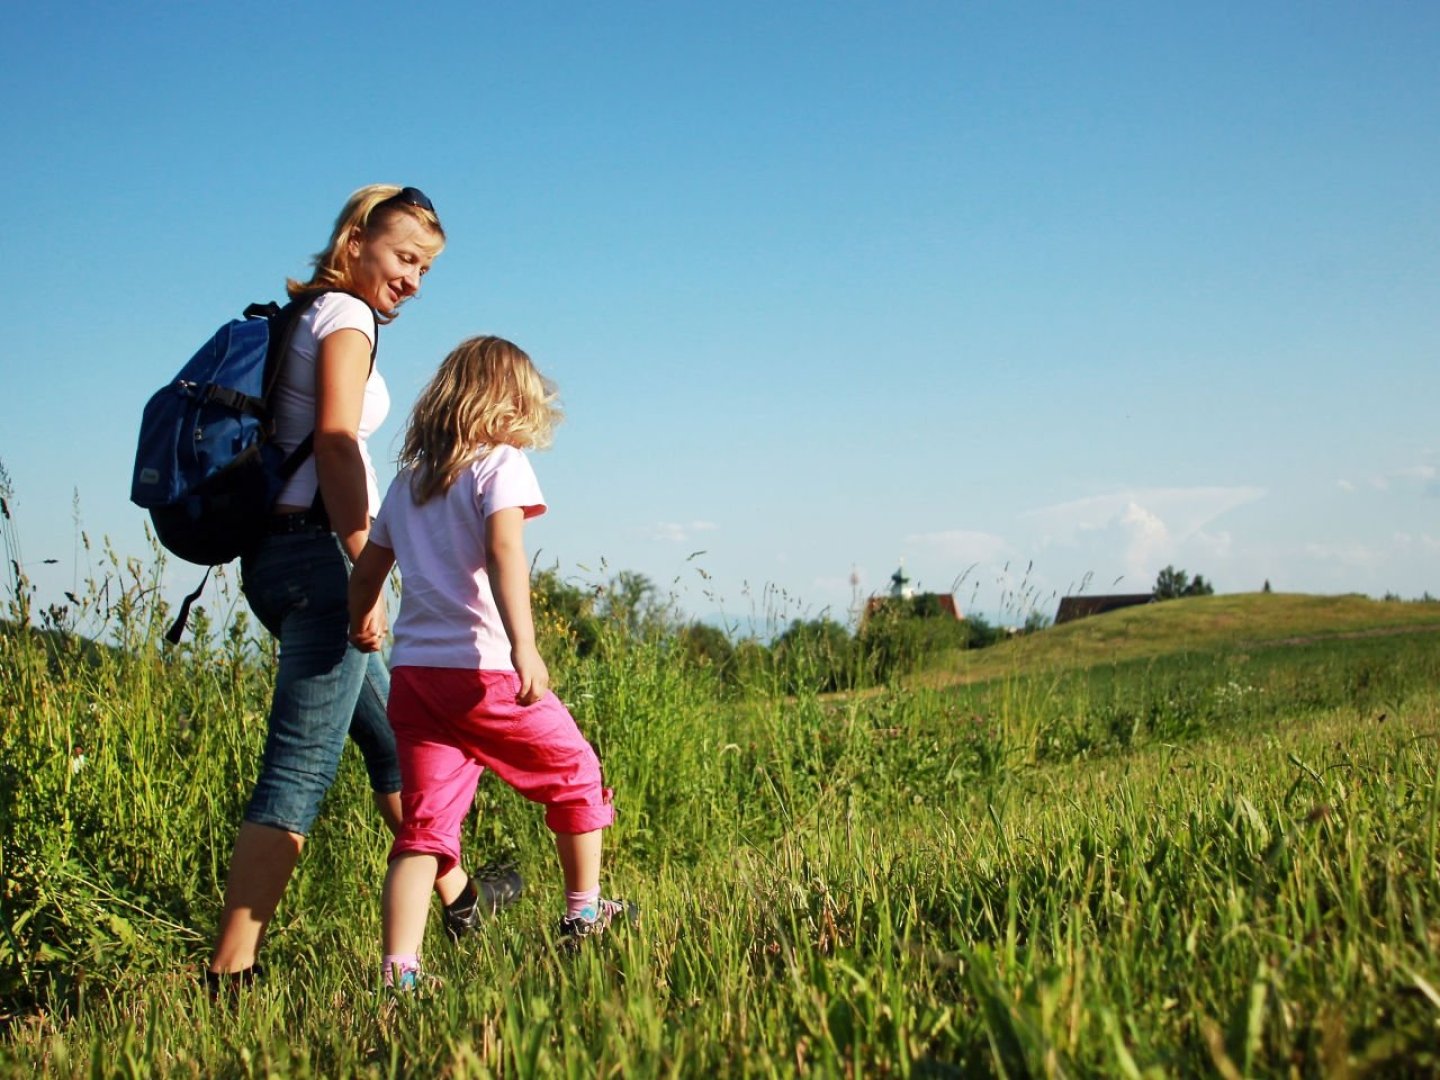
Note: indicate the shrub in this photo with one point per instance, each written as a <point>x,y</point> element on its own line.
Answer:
<point>817,655</point>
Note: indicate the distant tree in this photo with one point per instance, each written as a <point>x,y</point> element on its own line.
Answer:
<point>899,635</point>
<point>927,606</point>
<point>631,602</point>
<point>564,613</point>
<point>981,634</point>
<point>1035,620</point>
<point>816,655</point>
<point>1171,584</point>
<point>752,667</point>
<point>707,646</point>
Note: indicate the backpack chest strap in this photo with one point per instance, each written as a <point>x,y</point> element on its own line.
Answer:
<point>234,399</point>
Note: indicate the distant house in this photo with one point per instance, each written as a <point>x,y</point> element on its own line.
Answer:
<point>923,604</point>
<point>1080,607</point>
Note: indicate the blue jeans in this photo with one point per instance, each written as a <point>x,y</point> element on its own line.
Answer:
<point>325,689</point>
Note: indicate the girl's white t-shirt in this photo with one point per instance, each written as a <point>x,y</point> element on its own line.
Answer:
<point>293,400</point>
<point>448,617</point>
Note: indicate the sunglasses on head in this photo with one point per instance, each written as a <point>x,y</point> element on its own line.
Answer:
<point>411,196</point>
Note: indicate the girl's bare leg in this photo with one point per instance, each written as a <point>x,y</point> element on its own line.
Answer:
<point>449,886</point>
<point>579,859</point>
<point>406,902</point>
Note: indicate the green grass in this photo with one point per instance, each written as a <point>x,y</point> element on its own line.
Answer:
<point>1196,625</point>
<point>1092,853</point>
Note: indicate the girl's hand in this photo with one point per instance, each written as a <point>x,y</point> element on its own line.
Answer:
<point>534,675</point>
<point>369,633</point>
<point>368,624</point>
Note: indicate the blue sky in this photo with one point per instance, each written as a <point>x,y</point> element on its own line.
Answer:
<point>1037,297</point>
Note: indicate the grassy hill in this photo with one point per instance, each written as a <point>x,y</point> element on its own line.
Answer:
<point>1205,624</point>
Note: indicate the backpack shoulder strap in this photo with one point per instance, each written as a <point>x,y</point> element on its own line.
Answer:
<point>285,320</point>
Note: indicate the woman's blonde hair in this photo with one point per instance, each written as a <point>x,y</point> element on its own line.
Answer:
<point>487,393</point>
<point>367,213</point>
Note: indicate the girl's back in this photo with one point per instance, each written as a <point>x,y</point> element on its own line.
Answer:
<point>448,616</point>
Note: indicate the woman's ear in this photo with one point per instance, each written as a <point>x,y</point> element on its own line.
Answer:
<point>356,242</point>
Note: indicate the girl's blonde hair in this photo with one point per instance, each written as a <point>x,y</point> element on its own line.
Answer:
<point>487,393</point>
<point>367,213</point>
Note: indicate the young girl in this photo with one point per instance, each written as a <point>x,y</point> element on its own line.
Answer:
<point>469,690</point>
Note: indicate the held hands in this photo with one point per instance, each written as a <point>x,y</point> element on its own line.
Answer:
<point>369,634</point>
<point>534,675</point>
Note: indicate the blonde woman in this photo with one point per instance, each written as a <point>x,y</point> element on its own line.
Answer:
<point>471,690</point>
<point>382,245</point>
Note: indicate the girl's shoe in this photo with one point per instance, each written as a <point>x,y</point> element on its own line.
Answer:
<point>492,889</point>
<point>413,983</point>
<point>592,922</point>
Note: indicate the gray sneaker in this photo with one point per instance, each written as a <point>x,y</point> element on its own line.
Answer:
<point>592,922</point>
<point>491,890</point>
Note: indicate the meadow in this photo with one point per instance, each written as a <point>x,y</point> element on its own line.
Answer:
<point>1196,838</point>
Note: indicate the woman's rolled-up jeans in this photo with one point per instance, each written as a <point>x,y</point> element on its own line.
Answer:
<point>325,689</point>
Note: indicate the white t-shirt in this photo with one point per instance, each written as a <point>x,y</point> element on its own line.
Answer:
<point>294,398</point>
<point>448,617</point>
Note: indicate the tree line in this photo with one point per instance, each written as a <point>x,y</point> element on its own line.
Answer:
<point>895,636</point>
<point>819,654</point>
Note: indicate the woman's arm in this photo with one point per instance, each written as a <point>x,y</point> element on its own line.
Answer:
<point>341,371</point>
<point>367,615</point>
<point>509,573</point>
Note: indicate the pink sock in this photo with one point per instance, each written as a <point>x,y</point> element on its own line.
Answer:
<point>397,965</point>
<point>579,903</point>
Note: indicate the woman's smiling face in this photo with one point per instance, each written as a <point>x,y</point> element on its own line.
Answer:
<point>388,262</point>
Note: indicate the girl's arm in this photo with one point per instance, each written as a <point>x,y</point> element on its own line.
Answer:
<point>367,615</point>
<point>509,573</point>
<point>341,371</point>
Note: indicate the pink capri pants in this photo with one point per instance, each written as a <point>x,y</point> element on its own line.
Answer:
<point>452,723</point>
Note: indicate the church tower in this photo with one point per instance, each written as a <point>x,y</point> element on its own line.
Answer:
<point>900,588</point>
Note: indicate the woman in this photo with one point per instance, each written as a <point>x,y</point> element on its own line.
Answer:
<point>383,243</point>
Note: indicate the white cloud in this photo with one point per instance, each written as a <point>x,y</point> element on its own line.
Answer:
<point>1147,538</point>
<point>1405,541</point>
<point>1427,476</point>
<point>1402,480</point>
<point>960,545</point>
<point>1217,544</point>
<point>678,533</point>
<point>1143,529</point>
<point>1181,511</point>
<point>1351,555</point>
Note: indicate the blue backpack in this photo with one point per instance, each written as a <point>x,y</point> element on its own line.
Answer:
<point>207,467</point>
